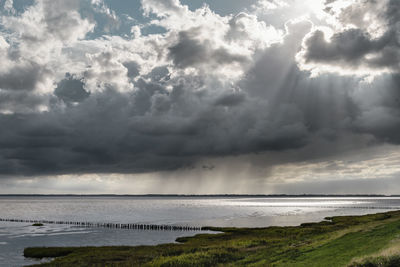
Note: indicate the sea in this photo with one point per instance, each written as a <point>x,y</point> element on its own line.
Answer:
<point>223,211</point>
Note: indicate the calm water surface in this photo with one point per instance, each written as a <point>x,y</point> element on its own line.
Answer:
<point>196,211</point>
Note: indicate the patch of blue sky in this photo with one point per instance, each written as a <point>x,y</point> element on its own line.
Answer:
<point>18,5</point>
<point>222,8</point>
<point>128,13</point>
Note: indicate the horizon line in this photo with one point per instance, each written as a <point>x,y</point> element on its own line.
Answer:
<point>210,195</point>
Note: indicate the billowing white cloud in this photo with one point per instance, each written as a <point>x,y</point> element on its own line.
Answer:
<point>8,6</point>
<point>268,5</point>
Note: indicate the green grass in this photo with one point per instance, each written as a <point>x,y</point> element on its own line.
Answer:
<point>339,242</point>
<point>388,261</point>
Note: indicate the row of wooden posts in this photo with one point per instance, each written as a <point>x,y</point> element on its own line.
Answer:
<point>138,226</point>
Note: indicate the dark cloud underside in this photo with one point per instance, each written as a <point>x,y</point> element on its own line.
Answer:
<point>212,88</point>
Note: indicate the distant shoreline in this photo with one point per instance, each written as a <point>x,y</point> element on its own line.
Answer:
<point>199,195</point>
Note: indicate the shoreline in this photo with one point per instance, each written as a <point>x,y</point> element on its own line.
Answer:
<point>335,241</point>
<point>207,195</point>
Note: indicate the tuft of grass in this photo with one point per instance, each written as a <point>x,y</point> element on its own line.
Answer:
<point>199,258</point>
<point>37,224</point>
<point>382,261</point>
<point>340,241</point>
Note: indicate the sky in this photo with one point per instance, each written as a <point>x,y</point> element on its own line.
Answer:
<point>200,97</point>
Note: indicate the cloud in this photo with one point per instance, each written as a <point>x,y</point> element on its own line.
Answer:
<point>269,4</point>
<point>21,77</point>
<point>365,39</point>
<point>379,106</point>
<point>210,88</point>
<point>164,8</point>
<point>189,52</point>
<point>230,99</point>
<point>21,102</point>
<point>71,90</point>
<point>47,21</point>
<point>110,20</point>
<point>106,71</point>
<point>8,6</point>
<point>133,68</point>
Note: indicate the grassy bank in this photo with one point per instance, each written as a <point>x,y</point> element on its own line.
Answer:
<point>370,240</point>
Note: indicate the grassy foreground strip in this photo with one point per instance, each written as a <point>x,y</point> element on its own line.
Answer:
<point>370,240</point>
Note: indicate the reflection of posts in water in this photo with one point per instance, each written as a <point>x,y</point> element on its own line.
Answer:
<point>134,226</point>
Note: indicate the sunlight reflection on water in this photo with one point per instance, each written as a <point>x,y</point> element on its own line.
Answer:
<point>196,211</point>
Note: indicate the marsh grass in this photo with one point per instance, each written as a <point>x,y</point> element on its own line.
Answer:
<point>338,241</point>
<point>381,261</point>
<point>389,256</point>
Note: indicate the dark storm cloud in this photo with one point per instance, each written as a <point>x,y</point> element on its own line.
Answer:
<point>104,135</point>
<point>230,99</point>
<point>20,101</point>
<point>21,77</point>
<point>189,51</point>
<point>150,129</point>
<point>351,47</point>
<point>355,47</point>
<point>155,128</point>
<point>133,68</point>
<point>382,115</point>
<point>71,90</point>
<point>170,119</point>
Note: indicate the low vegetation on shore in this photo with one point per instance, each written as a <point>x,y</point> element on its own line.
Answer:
<point>369,240</point>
